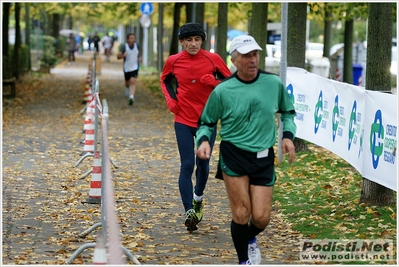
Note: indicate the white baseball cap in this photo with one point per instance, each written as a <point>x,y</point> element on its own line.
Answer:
<point>244,44</point>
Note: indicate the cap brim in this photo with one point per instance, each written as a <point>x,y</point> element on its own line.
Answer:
<point>248,48</point>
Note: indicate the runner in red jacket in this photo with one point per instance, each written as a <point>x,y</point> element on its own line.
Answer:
<point>187,80</point>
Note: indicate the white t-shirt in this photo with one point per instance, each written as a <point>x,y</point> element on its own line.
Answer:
<point>106,41</point>
<point>131,61</point>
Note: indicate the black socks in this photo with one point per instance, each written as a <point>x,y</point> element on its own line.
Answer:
<point>240,234</point>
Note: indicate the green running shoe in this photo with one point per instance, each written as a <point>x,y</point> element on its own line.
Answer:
<point>197,206</point>
<point>191,219</point>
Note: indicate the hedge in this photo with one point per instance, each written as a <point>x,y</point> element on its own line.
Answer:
<point>49,57</point>
<point>9,63</point>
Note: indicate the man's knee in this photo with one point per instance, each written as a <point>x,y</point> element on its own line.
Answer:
<point>241,215</point>
<point>261,220</point>
<point>187,166</point>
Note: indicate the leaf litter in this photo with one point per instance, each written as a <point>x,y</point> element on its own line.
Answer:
<point>43,212</point>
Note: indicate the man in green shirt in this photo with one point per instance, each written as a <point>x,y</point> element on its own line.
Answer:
<point>246,105</point>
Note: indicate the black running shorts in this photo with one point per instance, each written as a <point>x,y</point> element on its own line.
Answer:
<point>131,74</point>
<point>234,161</point>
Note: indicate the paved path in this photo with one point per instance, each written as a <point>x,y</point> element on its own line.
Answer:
<point>42,192</point>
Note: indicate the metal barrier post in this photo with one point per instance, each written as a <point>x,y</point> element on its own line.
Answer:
<point>97,99</point>
<point>93,84</point>
<point>103,223</point>
<point>93,73</point>
<point>104,183</point>
<point>108,208</point>
<point>95,95</point>
<point>93,76</point>
<point>103,215</point>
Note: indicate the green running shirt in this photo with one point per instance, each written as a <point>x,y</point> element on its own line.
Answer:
<point>247,112</point>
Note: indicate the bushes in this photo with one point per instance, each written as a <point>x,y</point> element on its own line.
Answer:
<point>47,44</point>
<point>48,58</point>
<point>9,62</point>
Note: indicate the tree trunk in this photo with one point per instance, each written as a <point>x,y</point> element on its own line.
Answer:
<point>195,12</point>
<point>6,23</point>
<point>327,30</point>
<point>379,42</point>
<point>55,31</point>
<point>45,22</point>
<point>348,47</point>
<point>199,18</point>
<point>296,33</point>
<point>374,194</point>
<point>17,44</point>
<point>150,48</point>
<point>296,47</point>
<point>189,12</point>
<point>174,44</point>
<point>49,25</point>
<point>199,13</point>
<point>56,25</point>
<point>221,37</point>
<point>69,22</point>
<point>259,28</point>
<point>159,37</point>
<point>141,34</point>
<point>27,33</point>
<point>379,45</point>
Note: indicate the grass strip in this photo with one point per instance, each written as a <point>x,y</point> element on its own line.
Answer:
<point>319,196</point>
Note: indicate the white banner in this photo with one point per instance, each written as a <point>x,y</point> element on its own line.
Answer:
<point>356,124</point>
<point>380,139</point>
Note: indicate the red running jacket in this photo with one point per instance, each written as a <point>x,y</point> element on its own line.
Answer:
<point>185,71</point>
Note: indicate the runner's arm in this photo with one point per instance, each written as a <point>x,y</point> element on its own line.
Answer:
<point>121,53</point>
<point>168,90</point>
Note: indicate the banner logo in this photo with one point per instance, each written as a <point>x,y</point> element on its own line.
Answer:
<point>335,118</point>
<point>376,137</point>
<point>290,90</point>
<point>352,124</point>
<point>318,112</point>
